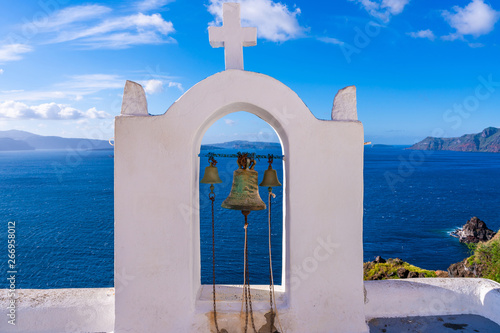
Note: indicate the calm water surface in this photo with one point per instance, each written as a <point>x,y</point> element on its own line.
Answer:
<point>63,207</point>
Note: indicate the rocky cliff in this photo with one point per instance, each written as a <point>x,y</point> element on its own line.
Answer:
<point>486,141</point>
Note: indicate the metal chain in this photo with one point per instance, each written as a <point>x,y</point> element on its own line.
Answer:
<point>251,155</point>
<point>211,196</point>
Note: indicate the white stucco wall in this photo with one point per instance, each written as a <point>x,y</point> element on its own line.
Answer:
<point>157,218</point>
<point>431,297</point>
<point>60,310</point>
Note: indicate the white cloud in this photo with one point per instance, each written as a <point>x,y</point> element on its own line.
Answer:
<point>93,26</point>
<point>394,7</point>
<point>136,21</point>
<point>93,82</point>
<point>331,40</point>
<point>274,21</point>
<point>229,122</point>
<point>476,45</point>
<point>383,9</point>
<point>153,86</point>
<point>50,111</point>
<point>476,19</point>
<point>70,15</point>
<point>13,52</point>
<point>79,86</point>
<point>75,88</point>
<point>176,84</point>
<point>121,32</point>
<point>452,37</point>
<point>1,71</point>
<point>33,95</point>
<point>423,34</point>
<point>146,5</point>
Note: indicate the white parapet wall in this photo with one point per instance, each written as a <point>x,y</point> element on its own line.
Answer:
<point>431,297</point>
<point>59,310</point>
<point>92,310</point>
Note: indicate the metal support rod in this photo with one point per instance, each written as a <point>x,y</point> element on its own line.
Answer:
<point>250,155</point>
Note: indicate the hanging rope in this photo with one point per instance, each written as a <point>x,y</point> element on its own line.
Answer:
<point>243,297</point>
<point>271,280</point>
<point>211,196</point>
<point>246,286</point>
<point>274,314</point>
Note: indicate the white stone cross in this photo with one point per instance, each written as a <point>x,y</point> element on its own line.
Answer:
<point>232,36</point>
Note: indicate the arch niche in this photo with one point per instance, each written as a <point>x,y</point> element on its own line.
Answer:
<point>229,232</point>
<point>157,254</point>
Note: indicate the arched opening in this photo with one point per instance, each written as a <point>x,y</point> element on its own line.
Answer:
<point>246,133</point>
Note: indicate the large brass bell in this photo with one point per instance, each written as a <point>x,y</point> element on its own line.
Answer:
<point>244,193</point>
<point>211,174</point>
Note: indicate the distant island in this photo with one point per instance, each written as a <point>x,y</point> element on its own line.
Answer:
<point>240,144</point>
<point>486,141</point>
<point>14,140</point>
<point>8,144</point>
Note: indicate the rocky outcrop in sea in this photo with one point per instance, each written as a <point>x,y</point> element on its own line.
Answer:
<point>474,231</point>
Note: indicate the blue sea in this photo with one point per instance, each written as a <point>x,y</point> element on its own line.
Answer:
<point>62,203</point>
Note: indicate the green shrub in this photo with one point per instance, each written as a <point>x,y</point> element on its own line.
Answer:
<point>389,269</point>
<point>472,247</point>
<point>486,256</point>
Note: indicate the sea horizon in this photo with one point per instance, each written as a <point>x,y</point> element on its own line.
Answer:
<point>63,205</point>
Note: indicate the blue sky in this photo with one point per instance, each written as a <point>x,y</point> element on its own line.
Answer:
<point>420,67</point>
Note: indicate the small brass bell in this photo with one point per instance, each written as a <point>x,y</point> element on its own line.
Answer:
<point>244,193</point>
<point>211,173</point>
<point>211,176</point>
<point>270,176</point>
